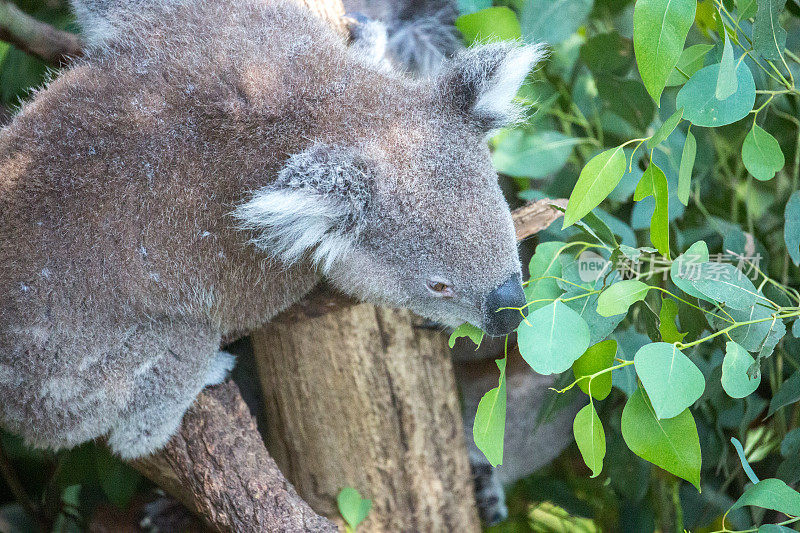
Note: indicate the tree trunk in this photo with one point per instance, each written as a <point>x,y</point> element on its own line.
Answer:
<point>364,397</point>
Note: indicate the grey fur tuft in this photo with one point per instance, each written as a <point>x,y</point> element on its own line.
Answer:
<point>420,44</point>
<point>314,208</point>
<point>483,80</point>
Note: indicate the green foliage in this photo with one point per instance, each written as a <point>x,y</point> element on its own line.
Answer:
<point>490,419</point>
<point>590,438</point>
<point>672,444</point>
<point>699,320</point>
<point>473,333</point>
<point>353,508</point>
<point>659,32</point>
<point>490,24</point>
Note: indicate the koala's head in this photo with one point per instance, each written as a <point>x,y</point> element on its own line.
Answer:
<point>409,213</point>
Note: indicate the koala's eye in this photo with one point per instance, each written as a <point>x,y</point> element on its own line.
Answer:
<point>440,287</point>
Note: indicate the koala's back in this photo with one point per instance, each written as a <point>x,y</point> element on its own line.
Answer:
<point>116,184</point>
<point>104,173</point>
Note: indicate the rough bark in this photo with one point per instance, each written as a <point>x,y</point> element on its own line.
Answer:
<point>42,40</point>
<point>218,467</point>
<point>364,397</point>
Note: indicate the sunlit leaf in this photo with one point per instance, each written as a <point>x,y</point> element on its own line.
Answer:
<point>616,299</point>
<point>659,33</point>
<point>596,358</point>
<point>667,328</point>
<point>687,165</point>
<point>490,24</point>
<point>654,183</point>
<point>352,507</point>
<point>488,429</point>
<point>671,444</point>
<point>727,82</point>
<point>474,333</point>
<point>597,179</point>
<point>691,60</point>
<point>590,438</point>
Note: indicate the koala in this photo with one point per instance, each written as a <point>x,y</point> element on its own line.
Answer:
<point>203,168</point>
<point>420,34</point>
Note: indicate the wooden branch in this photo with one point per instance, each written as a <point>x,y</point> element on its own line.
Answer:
<point>534,217</point>
<point>37,38</point>
<point>218,466</point>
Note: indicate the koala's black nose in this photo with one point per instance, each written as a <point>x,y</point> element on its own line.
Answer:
<point>497,320</point>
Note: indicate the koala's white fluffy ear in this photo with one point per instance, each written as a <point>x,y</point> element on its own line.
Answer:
<point>315,208</point>
<point>482,80</point>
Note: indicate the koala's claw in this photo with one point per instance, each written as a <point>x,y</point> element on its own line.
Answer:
<point>219,369</point>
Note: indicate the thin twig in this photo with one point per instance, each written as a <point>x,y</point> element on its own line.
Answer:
<point>37,38</point>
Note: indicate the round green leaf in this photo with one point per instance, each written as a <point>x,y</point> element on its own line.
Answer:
<point>546,265</point>
<point>551,338</point>
<point>597,179</point>
<point>590,438</point>
<point>672,381</point>
<point>761,154</point>
<point>701,106</point>
<point>598,357</point>
<point>671,444</point>
<point>735,380</point>
<point>616,299</point>
<point>659,33</point>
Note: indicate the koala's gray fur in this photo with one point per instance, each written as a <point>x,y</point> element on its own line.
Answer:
<point>141,221</point>
<point>421,33</point>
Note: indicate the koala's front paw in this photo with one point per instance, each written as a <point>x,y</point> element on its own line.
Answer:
<point>489,493</point>
<point>219,369</point>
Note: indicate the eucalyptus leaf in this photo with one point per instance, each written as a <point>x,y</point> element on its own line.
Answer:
<point>735,380</point>
<point>597,179</point>
<point>550,339</point>
<point>520,153</point>
<point>671,380</point>
<point>687,165</point>
<point>654,183</point>
<point>616,299</point>
<point>686,267</point>
<point>771,494</point>
<point>595,359</point>
<point>761,154</point>
<point>692,59</point>
<point>590,438</point>
<point>553,21</point>
<point>490,24</point>
<point>727,82</point>
<point>352,507</point>
<point>668,329</point>
<point>788,393</point>
<point>671,444</point>
<point>659,33</point>
<point>488,429</point>
<point>474,333</point>
<point>666,128</point>
<point>544,264</point>
<point>769,37</point>
<point>723,283</point>
<point>703,108</point>
<point>791,230</point>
